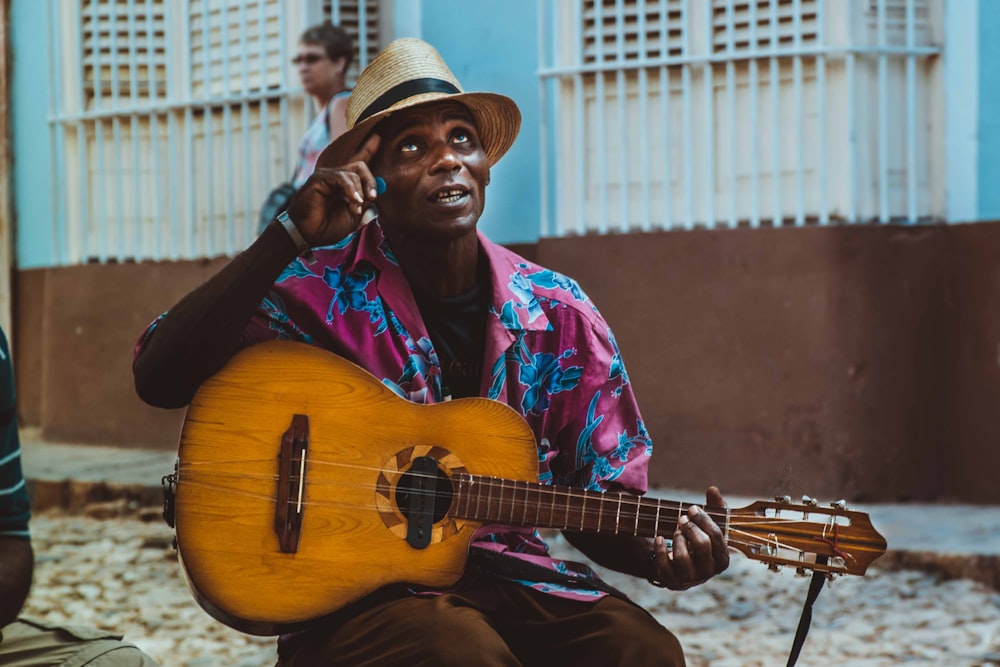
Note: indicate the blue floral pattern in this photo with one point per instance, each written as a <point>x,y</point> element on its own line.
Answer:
<point>350,293</point>
<point>548,279</point>
<point>297,269</point>
<point>617,370</point>
<point>543,375</point>
<point>279,321</point>
<point>520,286</point>
<point>627,442</point>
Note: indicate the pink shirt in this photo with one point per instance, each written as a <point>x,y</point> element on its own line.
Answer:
<point>549,354</point>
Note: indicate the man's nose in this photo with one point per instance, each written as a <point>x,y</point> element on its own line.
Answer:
<point>445,158</point>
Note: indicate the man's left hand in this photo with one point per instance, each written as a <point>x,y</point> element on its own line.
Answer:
<point>698,551</point>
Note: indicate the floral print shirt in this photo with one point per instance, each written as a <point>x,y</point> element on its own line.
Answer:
<point>548,354</point>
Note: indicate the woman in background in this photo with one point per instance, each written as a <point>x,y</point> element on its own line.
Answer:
<point>325,53</point>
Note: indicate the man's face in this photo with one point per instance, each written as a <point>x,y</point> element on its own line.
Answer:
<point>318,74</point>
<point>435,171</point>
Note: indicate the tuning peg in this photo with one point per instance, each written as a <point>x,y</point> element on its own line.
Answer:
<point>783,499</point>
<point>774,567</point>
<point>801,572</point>
<point>839,504</point>
<point>811,502</point>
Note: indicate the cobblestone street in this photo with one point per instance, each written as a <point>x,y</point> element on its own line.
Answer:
<point>120,573</point>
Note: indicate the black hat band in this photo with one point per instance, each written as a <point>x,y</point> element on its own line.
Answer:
<point>404,90</point>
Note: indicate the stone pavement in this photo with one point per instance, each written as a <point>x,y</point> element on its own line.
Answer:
<point>104,558</point>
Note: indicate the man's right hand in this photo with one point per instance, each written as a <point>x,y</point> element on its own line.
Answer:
<point>329,205</point>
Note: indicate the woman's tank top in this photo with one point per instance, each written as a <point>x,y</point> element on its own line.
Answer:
<point>316,138</point>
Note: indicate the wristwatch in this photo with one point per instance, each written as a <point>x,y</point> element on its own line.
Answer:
<point>305,252</point>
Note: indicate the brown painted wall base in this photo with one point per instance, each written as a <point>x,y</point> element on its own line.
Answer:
<point>774,361</point>
<point>76,329</point>
<point>855,362</point>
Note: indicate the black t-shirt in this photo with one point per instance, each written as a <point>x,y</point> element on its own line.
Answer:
<point>457,326</point>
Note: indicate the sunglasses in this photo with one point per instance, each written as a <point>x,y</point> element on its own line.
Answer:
<point>307,58</point>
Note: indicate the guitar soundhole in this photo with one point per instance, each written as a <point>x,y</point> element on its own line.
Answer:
<point>439,493</point>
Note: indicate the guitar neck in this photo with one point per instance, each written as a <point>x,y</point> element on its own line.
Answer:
<point>515,503</point>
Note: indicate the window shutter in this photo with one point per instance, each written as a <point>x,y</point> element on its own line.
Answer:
<point>217,48</point>
<point>774,21</point>
<point>649,30</point>
<point>895,22</point>
<point>122,57</point>
<point>347,14</point>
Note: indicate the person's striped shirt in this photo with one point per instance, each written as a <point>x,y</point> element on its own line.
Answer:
<point>14,507</point>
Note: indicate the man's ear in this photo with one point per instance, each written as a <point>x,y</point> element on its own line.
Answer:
<point>488,177</point>
<point>341,64</point>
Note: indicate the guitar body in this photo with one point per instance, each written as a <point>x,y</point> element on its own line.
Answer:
<point>351,537</point>
<point>303,484</point>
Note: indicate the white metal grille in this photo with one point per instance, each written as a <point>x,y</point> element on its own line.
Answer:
<point>172,120</point>
<point>744,112</point>
<point>634,29</point>
<point>351,16</point>
<point>123,49</point>
<point>896,16</point>
<point>749,25</point>
<point>235,47</point>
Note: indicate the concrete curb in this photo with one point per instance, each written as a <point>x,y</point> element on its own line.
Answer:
<point>983,568</point>
<point>74,496</point>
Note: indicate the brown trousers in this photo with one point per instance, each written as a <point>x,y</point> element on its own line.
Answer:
<point>487,623</point>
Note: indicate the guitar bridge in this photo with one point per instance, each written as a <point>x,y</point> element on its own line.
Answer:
<point>291,484</point>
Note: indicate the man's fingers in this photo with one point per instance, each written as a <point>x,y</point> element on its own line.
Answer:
<point>715,540</point>
<point>699,548</point>
<point>348,183</point>
<point>367,150</point>
<point>713,498</point>
<point>364,156</point>
<point>681,562</point>
<point>700,533</point>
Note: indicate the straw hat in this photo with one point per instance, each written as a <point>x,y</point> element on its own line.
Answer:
<point>410,72</point>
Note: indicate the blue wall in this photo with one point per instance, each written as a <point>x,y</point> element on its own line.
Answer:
<point>989,111</point>
<point>493,46</point>
<point>32,150</point>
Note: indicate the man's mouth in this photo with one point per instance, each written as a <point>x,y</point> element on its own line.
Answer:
<point>449,195</point>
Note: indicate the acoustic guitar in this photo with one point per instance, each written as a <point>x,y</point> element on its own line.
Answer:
<point>303,483</point>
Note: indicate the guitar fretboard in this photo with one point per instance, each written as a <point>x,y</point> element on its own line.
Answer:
<point>515,503</point>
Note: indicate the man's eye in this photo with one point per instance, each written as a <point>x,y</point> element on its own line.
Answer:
<point>407,147</point>
<point>460,138</point>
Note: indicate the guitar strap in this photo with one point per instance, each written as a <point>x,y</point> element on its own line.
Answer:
<point>815,586</point>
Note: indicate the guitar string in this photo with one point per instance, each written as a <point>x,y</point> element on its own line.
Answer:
<point>645,513</point>
<point>668,505</point>
<point>484,480</point>
<point>543,490</point>
<point>372,507</point>
<point>585,513</point>
<point>750,540</point>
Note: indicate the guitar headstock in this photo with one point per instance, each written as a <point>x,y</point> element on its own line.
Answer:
<point>805,535</point>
